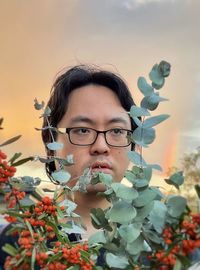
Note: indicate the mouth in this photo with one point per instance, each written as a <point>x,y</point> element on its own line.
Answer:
<point>101,167</point>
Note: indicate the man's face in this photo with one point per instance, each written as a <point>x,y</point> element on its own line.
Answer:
<point>96,107</point>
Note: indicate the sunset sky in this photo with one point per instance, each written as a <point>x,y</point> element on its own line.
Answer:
<point>40,38</point>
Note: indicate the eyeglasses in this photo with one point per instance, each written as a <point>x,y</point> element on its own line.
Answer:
<point>84,136</point>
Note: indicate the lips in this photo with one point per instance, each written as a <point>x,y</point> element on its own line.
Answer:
<point>100,166</point>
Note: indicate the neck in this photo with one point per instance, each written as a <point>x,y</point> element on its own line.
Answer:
<point>85,202</point>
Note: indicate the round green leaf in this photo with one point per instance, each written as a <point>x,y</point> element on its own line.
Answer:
<point>138,111</point>
<point>152,236</point>
<point>97,237</point>
<point>151,102</point>
<point>61,176</point>
<point>121,212</point>
<point>145,197</point>
<point>144,87</point>
<point>136,246</point>
<point>124,192</point>
<point>176,205</point>
<point>148,103</point>
<point>105,178</point>
<point>155,120</point>
<point>155,75</point>
<point>130,232</point>
<point>143,212</point>
<point>164,68</point>
<point>54,146</point>
<point>157,216</point>
<point>143,136</point>
<point>116,261</point>
<point>136,158</point>
<point>176,179</point>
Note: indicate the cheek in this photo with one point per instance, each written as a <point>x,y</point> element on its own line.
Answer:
<point>122,156</point>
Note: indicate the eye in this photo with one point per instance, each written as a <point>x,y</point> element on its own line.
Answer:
<point>117,131</point>
<point>81,131</point>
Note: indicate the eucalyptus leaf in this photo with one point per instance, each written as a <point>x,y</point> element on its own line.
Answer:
<point>68,161</point>
<point>137,179</point>
<point>164,68</point>
<point>47,112</point>
<point>138,176</point>
<point>148,103</point>
<point>159,195</point>
<point>155,120</point>
<point>136,158</point>
<point>153,236</point>
<point>158,215</point>
<point>176,179</point>
<point>61,176</point>
<point>98,219</point>
<point>155,76</point>
<point>145,197</point>
<point>176,205</point>
<point>75,228</point>
<point>130,232</point>
<point>69,205</point>
<point>138,111</point>
<point>147,173</point>
<point>37,105</point>
<point>136,246</point>
<point>105,178</point>
<point>156,167</point>
<point>143,212</point>
<point>143,136</point>
<point>137,121</point>
<point>158,86</point>
<point>54,146</point>
<point>84,180</point>
<point>124,192</point>
<point>144,87</point>
<point>151,102</point>
<point>140,183</point>
<point>121,212</point>
<point>116,261</point>
<point>97,237</point>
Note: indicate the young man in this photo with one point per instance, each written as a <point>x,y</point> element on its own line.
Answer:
<point>90,107</point>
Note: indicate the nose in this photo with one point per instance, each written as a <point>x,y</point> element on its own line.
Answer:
<point>100,146</point>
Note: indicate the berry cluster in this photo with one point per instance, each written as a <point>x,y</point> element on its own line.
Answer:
<point>180,241</point>
<point>70,255</point>
<point>46,206</point>
<point>13,196</point>
<point>6,170</point>
<point>67,256</point>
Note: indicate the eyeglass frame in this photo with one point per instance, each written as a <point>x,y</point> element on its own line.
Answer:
<point>67,131</point>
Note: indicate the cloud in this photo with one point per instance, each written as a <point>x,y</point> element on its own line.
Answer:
<point>132,4</point>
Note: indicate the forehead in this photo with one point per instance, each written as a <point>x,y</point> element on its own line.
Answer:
<point>97,103</point>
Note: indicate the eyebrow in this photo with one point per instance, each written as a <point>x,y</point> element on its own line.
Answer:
<point>84,119</point>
